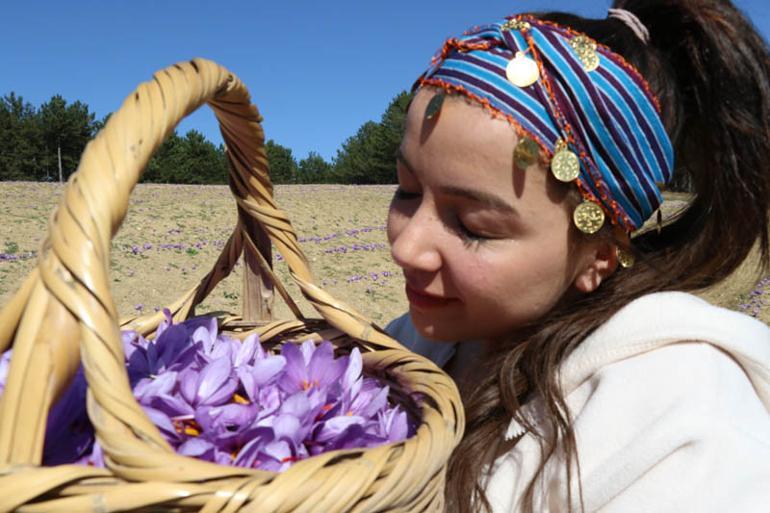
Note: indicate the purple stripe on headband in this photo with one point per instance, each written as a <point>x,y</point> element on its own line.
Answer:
<point>511,100</point>
<point>500,96</point>
<point>631,74</point>
<point>598,100</point>
<point>481,63</point>
<point>598,152</point>
<point>643,123</point>
<point>510,40</point>
<point>639,160</point>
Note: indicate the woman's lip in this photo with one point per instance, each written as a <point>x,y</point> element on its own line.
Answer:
<point>423,300</point>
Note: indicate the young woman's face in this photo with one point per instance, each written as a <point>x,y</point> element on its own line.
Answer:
<point>485,247</point>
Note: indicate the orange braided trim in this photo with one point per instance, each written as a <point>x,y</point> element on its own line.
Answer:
<point>608,204</point>
<point>454,43</point>
<point>487,105</point>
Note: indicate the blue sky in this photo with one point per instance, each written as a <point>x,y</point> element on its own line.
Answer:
<point>316,70</point>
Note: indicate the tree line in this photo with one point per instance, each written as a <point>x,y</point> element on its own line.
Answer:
<point>45,143</point>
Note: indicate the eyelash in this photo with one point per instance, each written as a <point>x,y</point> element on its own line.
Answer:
<point>401,194</point>
<point>468,236</point>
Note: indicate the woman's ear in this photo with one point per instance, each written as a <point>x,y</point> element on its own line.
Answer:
<point>599,261</point>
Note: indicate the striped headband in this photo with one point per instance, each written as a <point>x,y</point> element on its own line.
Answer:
<point>583,105</point>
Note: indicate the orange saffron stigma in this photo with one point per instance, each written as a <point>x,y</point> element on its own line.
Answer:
<point>187,427</point>
<point>306,385</point>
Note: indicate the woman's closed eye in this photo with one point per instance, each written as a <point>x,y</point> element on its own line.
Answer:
<point>470,235</point>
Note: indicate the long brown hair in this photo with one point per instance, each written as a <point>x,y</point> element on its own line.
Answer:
<point>709,68</point>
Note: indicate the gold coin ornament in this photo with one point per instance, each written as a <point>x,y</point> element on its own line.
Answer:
<point>585,48</point>
<point>565,164</point>
<point>526,153</point>
<point>626,259</point>
<point>516,24</point>
<point>588,217</point>
<point>434,106</point>
<point>522,71</point>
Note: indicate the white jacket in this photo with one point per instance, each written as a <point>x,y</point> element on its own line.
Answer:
<point>670,401</point>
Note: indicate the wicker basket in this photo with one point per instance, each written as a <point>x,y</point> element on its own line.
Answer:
<point>64,314</point>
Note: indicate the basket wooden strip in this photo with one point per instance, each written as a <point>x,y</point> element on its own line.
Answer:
<point>65,308</point>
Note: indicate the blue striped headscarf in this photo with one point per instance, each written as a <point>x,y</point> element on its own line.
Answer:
<point>608,116</point>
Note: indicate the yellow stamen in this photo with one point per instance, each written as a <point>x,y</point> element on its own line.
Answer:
<point>237,398</point>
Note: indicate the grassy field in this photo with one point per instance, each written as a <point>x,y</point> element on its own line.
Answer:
<point>173,233</point>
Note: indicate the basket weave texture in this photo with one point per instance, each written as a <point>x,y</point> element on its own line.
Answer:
<point>64,314</point>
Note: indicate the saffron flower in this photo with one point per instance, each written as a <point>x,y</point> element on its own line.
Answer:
<point>235,403</point>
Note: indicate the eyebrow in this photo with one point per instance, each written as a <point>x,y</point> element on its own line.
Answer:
<point>483,197</point>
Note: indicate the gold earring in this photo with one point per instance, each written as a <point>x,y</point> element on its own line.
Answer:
<point>626,259</point>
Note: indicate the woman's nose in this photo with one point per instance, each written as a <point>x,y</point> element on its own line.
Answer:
<point>414,240</point>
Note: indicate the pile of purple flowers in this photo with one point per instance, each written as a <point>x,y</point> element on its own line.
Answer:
<point>234,403</point>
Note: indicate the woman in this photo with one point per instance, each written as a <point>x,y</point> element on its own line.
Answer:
<point>535,150</point>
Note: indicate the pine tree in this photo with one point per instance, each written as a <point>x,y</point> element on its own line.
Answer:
<point>65,130</point>
<point>283,166</point>
<point>368,157</point>
<point>20,140</point>
<point>313,169</point>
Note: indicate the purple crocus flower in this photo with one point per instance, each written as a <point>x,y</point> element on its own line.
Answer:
<point>214,385</point>
<point>69,433</point>
<point>309,366</point>
<point>234,403</point>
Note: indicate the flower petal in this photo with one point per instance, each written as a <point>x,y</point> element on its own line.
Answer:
<point>323,369</point>
<point>351,379</point>
<point>307,348</point>
<point>188,385</point>
<point>216,383</point>
<point>295,376</point>
<point>147,388</point>
<point>247,351</point>
<point>336,427</point>
<point>287,427</point>
<point>197,448</point>
<point>267,369</point>
<point>249,453</point>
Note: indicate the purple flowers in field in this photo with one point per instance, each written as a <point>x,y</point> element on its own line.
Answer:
<point>374,246</point>
<point>18,256</point>
<point>351,232</point>
<point>234,403</point>
<point>757,298</point>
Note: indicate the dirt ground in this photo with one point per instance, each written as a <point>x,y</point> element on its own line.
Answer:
<point>173,234</point>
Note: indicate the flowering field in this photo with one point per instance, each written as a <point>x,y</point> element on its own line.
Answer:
<point>173,233</point>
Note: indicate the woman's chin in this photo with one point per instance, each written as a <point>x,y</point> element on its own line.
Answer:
<point>434,329</point>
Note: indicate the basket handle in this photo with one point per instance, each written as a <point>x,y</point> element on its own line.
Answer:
<point>70,304</point>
